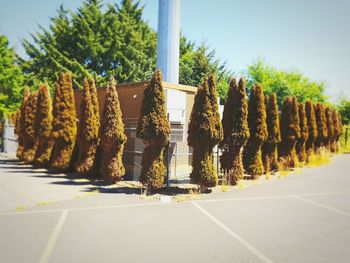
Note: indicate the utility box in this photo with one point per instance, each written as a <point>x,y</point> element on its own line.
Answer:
<point>176,106</point>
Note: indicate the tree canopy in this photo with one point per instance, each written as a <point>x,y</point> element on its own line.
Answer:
<point>99,41</point>
<point>284,83</point>
<point>11,78</point>
<point>344,110</point>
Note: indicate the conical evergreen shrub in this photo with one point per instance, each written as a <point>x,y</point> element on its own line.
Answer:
<point>20,123</point>
<point>341,129</point>
<point>304,134</point>
<point>235,130</point>
<point>94,99</point>
<point>312,129</point>
<point>154,128</point>
<point>330,129</point>
<point>112,136</point>
<point>64,125</point>
<point>216,121</point>
<point>270,152</point>
<point>290,132</point>
<point>252,154</point>
<point>321,127</point>
<point>88,129</point>
<point>30,132</point>
<point>43,124</point>
<point>336,127</point>
<point>205,131</point>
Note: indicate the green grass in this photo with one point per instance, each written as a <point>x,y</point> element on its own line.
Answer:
<point>43,203</point>
<point>345,142</point>
<point>20,208</point>
<point>224,188</point>
<point>319,159</point>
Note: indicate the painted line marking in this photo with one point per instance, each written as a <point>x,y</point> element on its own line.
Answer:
<point>242,241</point>
<point>158,203</point>
<point>53,239</point>
<point>80,209</point>
<point>322,205</point>
<point>270,197</point>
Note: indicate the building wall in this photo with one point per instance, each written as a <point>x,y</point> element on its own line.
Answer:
<point>130,97</point>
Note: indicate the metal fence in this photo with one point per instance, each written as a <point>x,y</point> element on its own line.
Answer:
<point>9,139</point>
<point>179,162</point>
<point>178,156</point>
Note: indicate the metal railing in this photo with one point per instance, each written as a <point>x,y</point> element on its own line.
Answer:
<point>9,139</point>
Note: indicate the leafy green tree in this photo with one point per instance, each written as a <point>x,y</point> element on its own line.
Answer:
<point>43,127</point>
<point>252,155</point>
<point>64,125</point>
<point>98,40</point>
<point>284,83</point>
<point>196,63</point>
<point>112,136</point>
<point>270,152</point>
<point>235,131</point>
<point>154,129</point>
<point>92,42</point>
<point>290,132</point>
<point>344,110</point>
<point>11,78</point>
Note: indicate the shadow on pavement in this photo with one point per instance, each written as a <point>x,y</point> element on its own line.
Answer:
<point>171,191</point>
<point>4,161</point>
<point>94,182</point>
<point>26,171</point>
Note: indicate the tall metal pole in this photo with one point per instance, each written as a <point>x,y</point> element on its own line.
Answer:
<point>168,48</point>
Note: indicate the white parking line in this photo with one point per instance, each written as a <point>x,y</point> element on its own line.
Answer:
<point>270,197</point>
<point>159,203</point>
<point>54,236</point>
<point>79,209</point>
<point>245,198</point>
<point>245,243</point>
<point>322,205</point>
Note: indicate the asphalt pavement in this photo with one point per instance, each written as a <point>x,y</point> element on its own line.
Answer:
<point>304,217</point>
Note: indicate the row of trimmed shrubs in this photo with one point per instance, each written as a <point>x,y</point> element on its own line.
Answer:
<point>50,136</point>
<point>254,138</point>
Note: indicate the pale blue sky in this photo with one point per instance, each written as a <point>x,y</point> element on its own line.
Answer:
<point>307,35</point>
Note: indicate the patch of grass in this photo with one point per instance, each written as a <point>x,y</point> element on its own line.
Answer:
<point>224,188</point>
<point>20,208</point>
<point>283,173</point>
<point>43,203</point>
<point>182,198</point>
<point>93,192</point>
<point>319,159</point>
<point>145,196</point>
<point>298,171</point>
<point>240,185</point>
<point>344,148</point>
